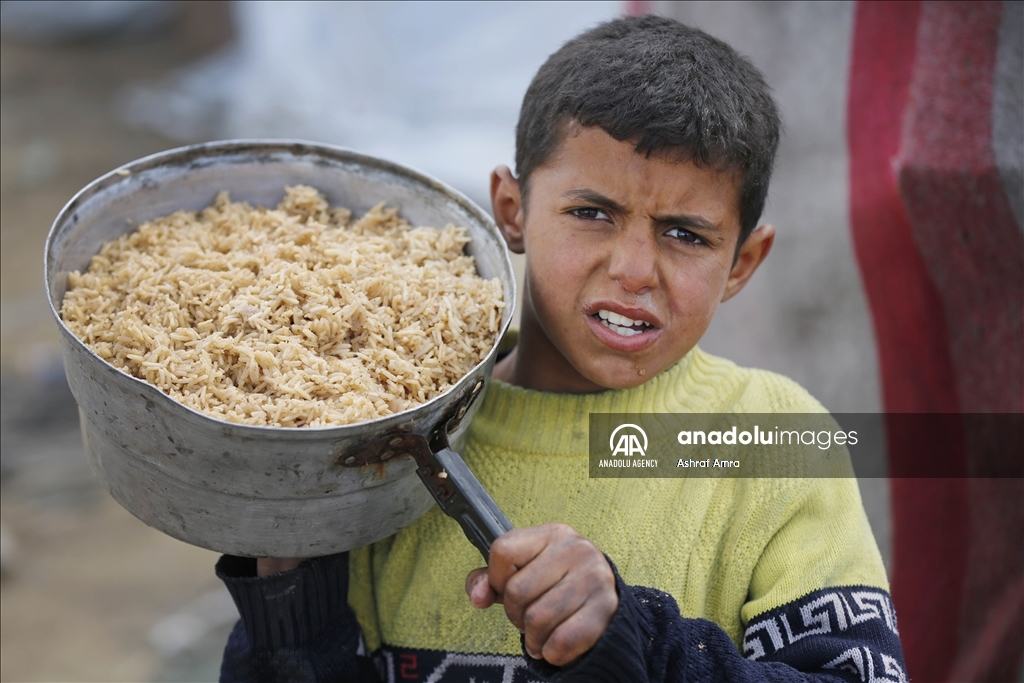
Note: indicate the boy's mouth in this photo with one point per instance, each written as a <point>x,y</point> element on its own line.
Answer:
<point>620,324</point>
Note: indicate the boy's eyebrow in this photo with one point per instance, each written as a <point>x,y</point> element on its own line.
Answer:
<point>597,199</point>
<point>593,197</point>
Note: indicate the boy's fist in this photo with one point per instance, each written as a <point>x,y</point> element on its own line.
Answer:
<point>557,588</point>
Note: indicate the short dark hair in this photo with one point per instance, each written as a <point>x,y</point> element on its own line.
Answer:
<point>666,87</point>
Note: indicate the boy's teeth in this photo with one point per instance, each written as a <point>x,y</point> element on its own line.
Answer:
<point>613,319</point>
<point>620,324</point>
<point>618,329</point>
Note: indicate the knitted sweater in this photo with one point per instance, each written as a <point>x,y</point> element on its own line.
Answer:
<point>784,571</point>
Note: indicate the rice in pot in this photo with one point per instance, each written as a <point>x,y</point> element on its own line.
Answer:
<point>292,317</point>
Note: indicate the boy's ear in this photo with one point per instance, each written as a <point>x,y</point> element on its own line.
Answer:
<point>752,254</point>
<point>507,204</point>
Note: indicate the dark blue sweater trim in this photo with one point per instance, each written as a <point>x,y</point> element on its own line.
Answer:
<point>850,629</point>
<point>297,626</point>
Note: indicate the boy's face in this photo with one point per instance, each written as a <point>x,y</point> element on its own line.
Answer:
<point>627,259</point>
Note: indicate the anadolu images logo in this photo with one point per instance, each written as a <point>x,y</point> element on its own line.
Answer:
<point>628,443</point>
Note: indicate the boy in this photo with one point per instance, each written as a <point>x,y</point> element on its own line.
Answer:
<point>644,150</point>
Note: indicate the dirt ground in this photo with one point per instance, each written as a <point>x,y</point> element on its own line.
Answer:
<point>88,593</point>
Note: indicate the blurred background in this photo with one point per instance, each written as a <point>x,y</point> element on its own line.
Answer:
<point>91,594</point>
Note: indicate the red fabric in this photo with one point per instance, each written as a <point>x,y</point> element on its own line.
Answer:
<point>928,517</point>
<point>968,237</point>
<point>942,261</point>
<point>961,218</point>
<point>637,8</point>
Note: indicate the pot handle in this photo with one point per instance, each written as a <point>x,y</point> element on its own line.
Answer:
<point>471,505</point>
<point>461,496</point>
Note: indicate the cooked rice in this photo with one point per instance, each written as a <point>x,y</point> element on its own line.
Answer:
<point>292,317</point>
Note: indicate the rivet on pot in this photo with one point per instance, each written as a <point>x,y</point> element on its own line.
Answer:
<point>462,412</point>
<point>350,459</point>
<point>395,441</point>
<point>387,455</point>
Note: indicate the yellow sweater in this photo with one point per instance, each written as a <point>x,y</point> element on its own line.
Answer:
<point>726,549</point>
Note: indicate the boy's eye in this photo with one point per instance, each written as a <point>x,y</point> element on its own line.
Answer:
<point>684,235</point>
<point>590,213</point>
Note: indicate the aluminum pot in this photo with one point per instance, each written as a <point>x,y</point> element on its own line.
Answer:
<point>249,490</point>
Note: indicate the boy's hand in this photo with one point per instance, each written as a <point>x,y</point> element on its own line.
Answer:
<point>557,588</point>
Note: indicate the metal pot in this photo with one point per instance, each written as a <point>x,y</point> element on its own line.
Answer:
<point>268,491</point>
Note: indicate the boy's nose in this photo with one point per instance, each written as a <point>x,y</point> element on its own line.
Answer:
<point>633,263</point>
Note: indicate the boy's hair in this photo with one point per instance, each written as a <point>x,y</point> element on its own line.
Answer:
<point>666,87</point>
